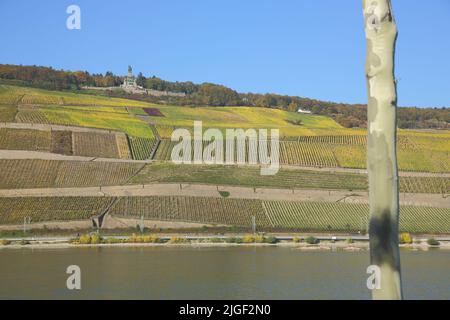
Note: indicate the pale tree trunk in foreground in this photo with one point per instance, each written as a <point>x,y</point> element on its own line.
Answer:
<point>381,34</point>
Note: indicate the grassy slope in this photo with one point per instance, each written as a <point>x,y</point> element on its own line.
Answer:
<point>97,119</point>
<point>243,117</point>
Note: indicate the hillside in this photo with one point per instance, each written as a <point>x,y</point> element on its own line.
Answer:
<point>347,115</point>
<point>67,156</point>
<point>307,140</point>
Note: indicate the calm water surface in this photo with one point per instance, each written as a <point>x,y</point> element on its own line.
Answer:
<point>211,273</point>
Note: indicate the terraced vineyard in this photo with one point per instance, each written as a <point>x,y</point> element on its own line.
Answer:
<point>285,178</point>
<point>40,98</point>
<point>269,215</point>
<point>47,209</point>
<point>241,117</point>
<point>14,95</point>
<point>19,174</point>
<point>7,113</point>
<point>318,142</point>
<point>240,154</point>
<point>91,144</point>
<point>306,154</point>
<point>323,216</point>
<point>123,148</point>
<point>415,153</point>
<point>24,139</point>
<point>248,176</point>
<point>335,139</point>
<point>82,174</point>
<point>141,148</point>
<point>33,116</point>
<point>69,116</point>
<point>61,142</point>
<point>164,150</point>
<point>425,185</point>
<point>101,145</point>
<point>236,212</point>
<point>10,95</point>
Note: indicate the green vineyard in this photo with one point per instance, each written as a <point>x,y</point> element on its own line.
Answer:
<point>101,145</point>
<point>24,139</point>
<point>425,185</point>
<point>141,148</point>
<point>268,215</point>
<point>62,142</point>
<point>7,113</point>
<point>277,215</point>
<point>123,147</point>
<point>415,153</point>
<point>323,216</point>
<point>307,154</point>
<point>250,176</point>
<point>238,212</point>
<point>91,118</point>
<point>48,209</point>
<point>90,144</point>
<point>19,174</point>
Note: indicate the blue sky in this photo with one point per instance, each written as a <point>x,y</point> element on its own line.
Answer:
<point>313,48</point>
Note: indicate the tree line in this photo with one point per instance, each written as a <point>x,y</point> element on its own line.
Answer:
<point>209,94</point>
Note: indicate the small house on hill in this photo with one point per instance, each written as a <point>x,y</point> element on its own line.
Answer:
<point>300,110</point>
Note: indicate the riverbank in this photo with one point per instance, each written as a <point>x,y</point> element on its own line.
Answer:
<point>309,243</point>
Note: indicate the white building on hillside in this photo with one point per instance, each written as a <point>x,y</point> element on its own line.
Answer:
<point>300,110</point>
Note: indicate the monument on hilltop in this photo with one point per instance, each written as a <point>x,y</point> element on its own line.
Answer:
<point>130,80</point>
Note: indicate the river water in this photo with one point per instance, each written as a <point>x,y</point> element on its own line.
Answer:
<point>211,273</point>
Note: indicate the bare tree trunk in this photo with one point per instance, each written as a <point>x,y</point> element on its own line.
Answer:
<point>381,35</point>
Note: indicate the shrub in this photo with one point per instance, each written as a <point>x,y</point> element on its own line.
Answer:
<point>215,240</point>
<point>248,239</point>
<point>297,239</point>
<point>349,240</point>
<point>239,240</point>
<point>135,239</point>
<point>230,240</point>
<point>96,239</point>
<point>84,239</point>
<point>433,242</point>
<point>113,240</point>
<point>312,240</point>
<point>24,242</point>
<point>271,239</point>
<point>405,238</point>
<point>224,194</point>
<point>74,241</point>
<point>151,239</point>
<point>5,242</point>
<point>178,240</point>
<point>259,239</point>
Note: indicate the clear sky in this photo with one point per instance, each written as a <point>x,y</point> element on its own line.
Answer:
<point>309,48</point>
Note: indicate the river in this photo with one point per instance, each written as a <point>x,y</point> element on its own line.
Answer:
<point>211,273</point>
